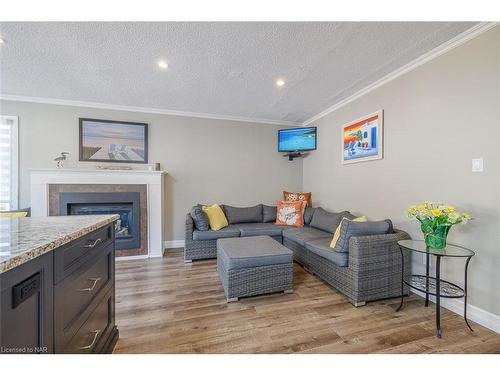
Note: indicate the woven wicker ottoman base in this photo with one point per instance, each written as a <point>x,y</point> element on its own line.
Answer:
<point>250,266</point>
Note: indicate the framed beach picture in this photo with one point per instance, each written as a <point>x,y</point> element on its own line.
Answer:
<point>113,141</point>
<point>362,139</point>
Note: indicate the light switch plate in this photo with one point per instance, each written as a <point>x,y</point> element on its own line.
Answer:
<point>477,165</point>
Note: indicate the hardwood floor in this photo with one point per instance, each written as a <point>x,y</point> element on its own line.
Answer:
<point>165,306</point>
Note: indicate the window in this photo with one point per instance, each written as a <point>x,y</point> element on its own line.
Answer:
<point>8,163</point>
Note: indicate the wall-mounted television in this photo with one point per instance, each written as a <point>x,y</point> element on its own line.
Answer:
<point>297,139</point>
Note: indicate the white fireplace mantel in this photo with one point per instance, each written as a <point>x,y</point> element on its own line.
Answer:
<point>40,179</point>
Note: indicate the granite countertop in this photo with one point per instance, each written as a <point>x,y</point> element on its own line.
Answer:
<point>27,238</point>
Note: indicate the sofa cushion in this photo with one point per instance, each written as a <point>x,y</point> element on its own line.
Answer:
<point>268,214</point>
<point>260,229</point>
<point>227,232</point>
<point>16,214</point>
<point>350,228</point>
<point>200,218</point>
<point>322,248</point>
<point>304,234</point>
<point>251,252</point>
<point>20,212</point>
<point>328,221</point>
<point>243,214</point>
<point>336,235</point>
<point>308,215</point>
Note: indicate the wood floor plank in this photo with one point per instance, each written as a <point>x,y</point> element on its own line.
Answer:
<point>166,306</point>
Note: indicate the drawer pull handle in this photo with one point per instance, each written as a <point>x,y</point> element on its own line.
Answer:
<point>95,281</point>
<point>94,244</point>
<point>96,333</point>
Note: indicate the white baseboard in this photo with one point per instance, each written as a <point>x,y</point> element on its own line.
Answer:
<point>173,244</point>
<point>475,314</point>
<point>132,257</point>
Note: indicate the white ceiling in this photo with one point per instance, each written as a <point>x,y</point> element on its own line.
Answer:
<point>226,69</point>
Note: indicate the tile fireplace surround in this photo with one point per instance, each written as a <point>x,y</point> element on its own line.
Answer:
<point>47,184</point>
<point>55,191</point>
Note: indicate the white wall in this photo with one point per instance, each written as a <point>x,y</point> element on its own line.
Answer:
<point>207,160</point>
<point>437,118</point>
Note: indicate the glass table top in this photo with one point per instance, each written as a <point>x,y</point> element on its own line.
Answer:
<point>448,251</point>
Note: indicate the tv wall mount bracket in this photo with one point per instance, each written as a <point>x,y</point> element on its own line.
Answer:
<point>293,155</point>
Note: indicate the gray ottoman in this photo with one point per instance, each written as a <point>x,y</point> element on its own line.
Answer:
<point>249,266</point>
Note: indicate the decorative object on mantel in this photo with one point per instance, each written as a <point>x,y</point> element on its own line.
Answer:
<point>60,159</point>
<point>436,219</point>
<point>154,167</point>
<point>362,139</point>
<point>113,141</point>
<point>114,167</point>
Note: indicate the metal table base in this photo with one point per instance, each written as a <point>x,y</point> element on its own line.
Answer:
<point>434,286</point>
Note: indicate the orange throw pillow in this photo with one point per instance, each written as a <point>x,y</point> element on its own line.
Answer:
<point>293,197</point>
<point>290,213</point>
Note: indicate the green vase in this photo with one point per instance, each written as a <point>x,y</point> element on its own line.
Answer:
<point>435,237</point>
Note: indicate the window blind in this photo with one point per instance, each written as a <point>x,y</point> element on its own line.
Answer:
<point>8,163</point>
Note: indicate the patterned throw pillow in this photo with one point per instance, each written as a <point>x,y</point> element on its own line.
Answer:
<point>293,197</point>
<point>290,213</point>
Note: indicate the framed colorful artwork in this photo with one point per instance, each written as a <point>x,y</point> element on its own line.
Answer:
<point>113,141</point>
<point>362,139</point>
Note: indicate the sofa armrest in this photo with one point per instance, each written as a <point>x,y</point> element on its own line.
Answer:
<point>369,253</point>
<point>189,228</point>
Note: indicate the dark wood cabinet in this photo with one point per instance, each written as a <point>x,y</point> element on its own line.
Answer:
<point>26,318</point>
<point>62,301</point>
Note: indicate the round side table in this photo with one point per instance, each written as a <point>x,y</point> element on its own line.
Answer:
<point>435,286</point>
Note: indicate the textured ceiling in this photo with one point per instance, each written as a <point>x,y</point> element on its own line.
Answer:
<point>218,68</point>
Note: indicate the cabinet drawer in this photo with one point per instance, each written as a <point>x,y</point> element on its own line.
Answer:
<point>74,293</point>
<point>70,257</point>
<point>93,333</point>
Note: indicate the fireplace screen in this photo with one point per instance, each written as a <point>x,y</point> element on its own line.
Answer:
<point>124,204</point>
<point>122,226</point>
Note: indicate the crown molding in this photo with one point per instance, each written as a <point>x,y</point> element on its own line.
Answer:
<point>159,111</point>
<point>460,39</point>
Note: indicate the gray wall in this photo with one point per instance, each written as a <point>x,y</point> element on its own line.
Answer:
<point>437,118</point>
<point>207,160</point>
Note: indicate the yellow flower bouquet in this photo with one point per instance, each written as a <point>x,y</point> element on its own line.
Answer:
<point>436,219</point>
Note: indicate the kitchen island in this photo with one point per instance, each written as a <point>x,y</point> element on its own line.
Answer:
<point>57,284</point>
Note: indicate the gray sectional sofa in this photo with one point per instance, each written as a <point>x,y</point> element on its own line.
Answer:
<point>363,267</point>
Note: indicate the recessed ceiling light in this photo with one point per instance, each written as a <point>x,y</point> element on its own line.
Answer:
<point>280,83</point>
<point>2,41</point>
<point>162,64</point>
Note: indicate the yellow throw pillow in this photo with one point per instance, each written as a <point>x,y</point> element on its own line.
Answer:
<point>336,235</point>
<point>216,218</point>
<point>13,215</point>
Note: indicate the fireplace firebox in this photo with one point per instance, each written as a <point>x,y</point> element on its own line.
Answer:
<point>124,204</point>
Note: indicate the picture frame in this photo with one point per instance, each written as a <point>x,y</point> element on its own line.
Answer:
<point>113,141</point>
<point>363,139</point>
